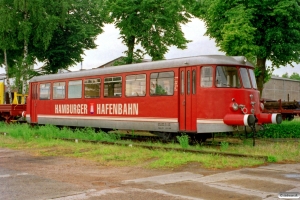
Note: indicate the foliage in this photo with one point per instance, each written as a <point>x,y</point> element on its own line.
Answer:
<point>295,76</point>
<point>260,30</point>
<point>183,140</point>
<point>154,25</point>
<point>287,129</point>
<point>53,32</point>
<point>286,75</point>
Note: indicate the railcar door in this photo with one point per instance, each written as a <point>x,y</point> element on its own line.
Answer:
<point>34,99</point>
<point>188,99</point>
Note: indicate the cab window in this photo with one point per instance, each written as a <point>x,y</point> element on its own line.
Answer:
<point>206,76</point>
<point>245,78</point>
<point>227,76</point>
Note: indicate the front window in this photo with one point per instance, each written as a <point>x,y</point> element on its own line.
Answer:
<point>253,80</point>
<point>245,78</point>
<point>227,77</point>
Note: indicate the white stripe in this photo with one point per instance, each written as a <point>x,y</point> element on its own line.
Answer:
<point>274,118</point>
<point>210,121</point>
<point>246,120</point>
<point>111,118</point>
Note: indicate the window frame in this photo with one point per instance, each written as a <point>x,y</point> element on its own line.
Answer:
<point>75,97</point>
<point>95,83</point>
<point>49,91</point>
<point>157,83</point>
<point>136,94</point>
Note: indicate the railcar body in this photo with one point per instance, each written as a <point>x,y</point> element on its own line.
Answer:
<point>201,94</point>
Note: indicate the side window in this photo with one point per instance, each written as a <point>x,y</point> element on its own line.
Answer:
<point>162,83</point>
<point>59,90</point>
<point>206,76</point>
<point>113,86</point>
<point>45,91</point>
<point>92,88</point>
<point>135,85</point>
<point>75,89</point>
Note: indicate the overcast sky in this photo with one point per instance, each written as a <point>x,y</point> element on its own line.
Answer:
<point>111,47</point>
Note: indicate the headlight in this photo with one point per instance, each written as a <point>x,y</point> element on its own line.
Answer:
<point>262,106</point>
<point>234,106</point>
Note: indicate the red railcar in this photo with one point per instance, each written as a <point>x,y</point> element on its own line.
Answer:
<point>202,94</point>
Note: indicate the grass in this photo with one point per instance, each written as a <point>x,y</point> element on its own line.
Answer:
<point>41,141</point>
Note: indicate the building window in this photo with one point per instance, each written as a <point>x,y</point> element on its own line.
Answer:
<point>136,85</point>
<point>113,86</point>
<point>45,91</point>
<point>59,90</point>
<point>206,76</point>
<point>162,83</point>
<point>75,89</point>
<point>92,88</point>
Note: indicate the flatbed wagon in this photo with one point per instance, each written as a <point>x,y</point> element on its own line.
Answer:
<point>288,109</point>
<point>10,112</point>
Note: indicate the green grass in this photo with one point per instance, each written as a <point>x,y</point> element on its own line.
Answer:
<point>42,141</point>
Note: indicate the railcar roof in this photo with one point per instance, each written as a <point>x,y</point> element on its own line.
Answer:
<point>162,64</point>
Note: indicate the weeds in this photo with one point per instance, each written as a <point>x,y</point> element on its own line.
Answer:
<point>183,140</point>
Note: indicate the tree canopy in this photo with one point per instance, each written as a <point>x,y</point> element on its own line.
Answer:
<point>153,24</point>
<point>261,30</point>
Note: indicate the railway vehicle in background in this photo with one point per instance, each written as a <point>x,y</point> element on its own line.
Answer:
<point>196,95</point>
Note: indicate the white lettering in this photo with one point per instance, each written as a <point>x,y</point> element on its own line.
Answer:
<point>135,109</point>
<point>104,109</point>
<point>98,109</point>
<point>125,109</point>
<point>120,109</point>
<point>129,109</point>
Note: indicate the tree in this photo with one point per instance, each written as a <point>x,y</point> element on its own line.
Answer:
<point>295,76</point>
<point>54,32</point>
<point>81,23</point>
<point>286,75</point>
<point>153,24</point>
<point>261,30</point>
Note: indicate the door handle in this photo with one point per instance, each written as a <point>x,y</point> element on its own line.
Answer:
<point>183,103</point>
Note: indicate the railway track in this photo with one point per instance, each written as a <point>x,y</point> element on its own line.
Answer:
<point>151,147</point>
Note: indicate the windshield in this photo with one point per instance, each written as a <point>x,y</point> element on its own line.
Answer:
<point>253,80</point>
<point>227,77</point>
<point>245,78</point>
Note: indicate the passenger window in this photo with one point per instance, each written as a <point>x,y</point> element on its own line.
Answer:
<point>245,78</point>
<point>59,90</point>
<point>206,76</point>
<point>227,76</point>
<point>113,87</point>
<point>135,85</point>
<point>75,89</point>
<point>44,91</point>
<point>92,88</point>
<point>162,83</point>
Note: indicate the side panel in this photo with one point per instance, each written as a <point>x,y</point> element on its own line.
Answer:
<point>33,102</point>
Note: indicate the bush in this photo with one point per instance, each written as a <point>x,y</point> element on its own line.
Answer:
<point>287,129</point>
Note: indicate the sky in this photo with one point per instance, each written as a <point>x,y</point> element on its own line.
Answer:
<point>111,47</point>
